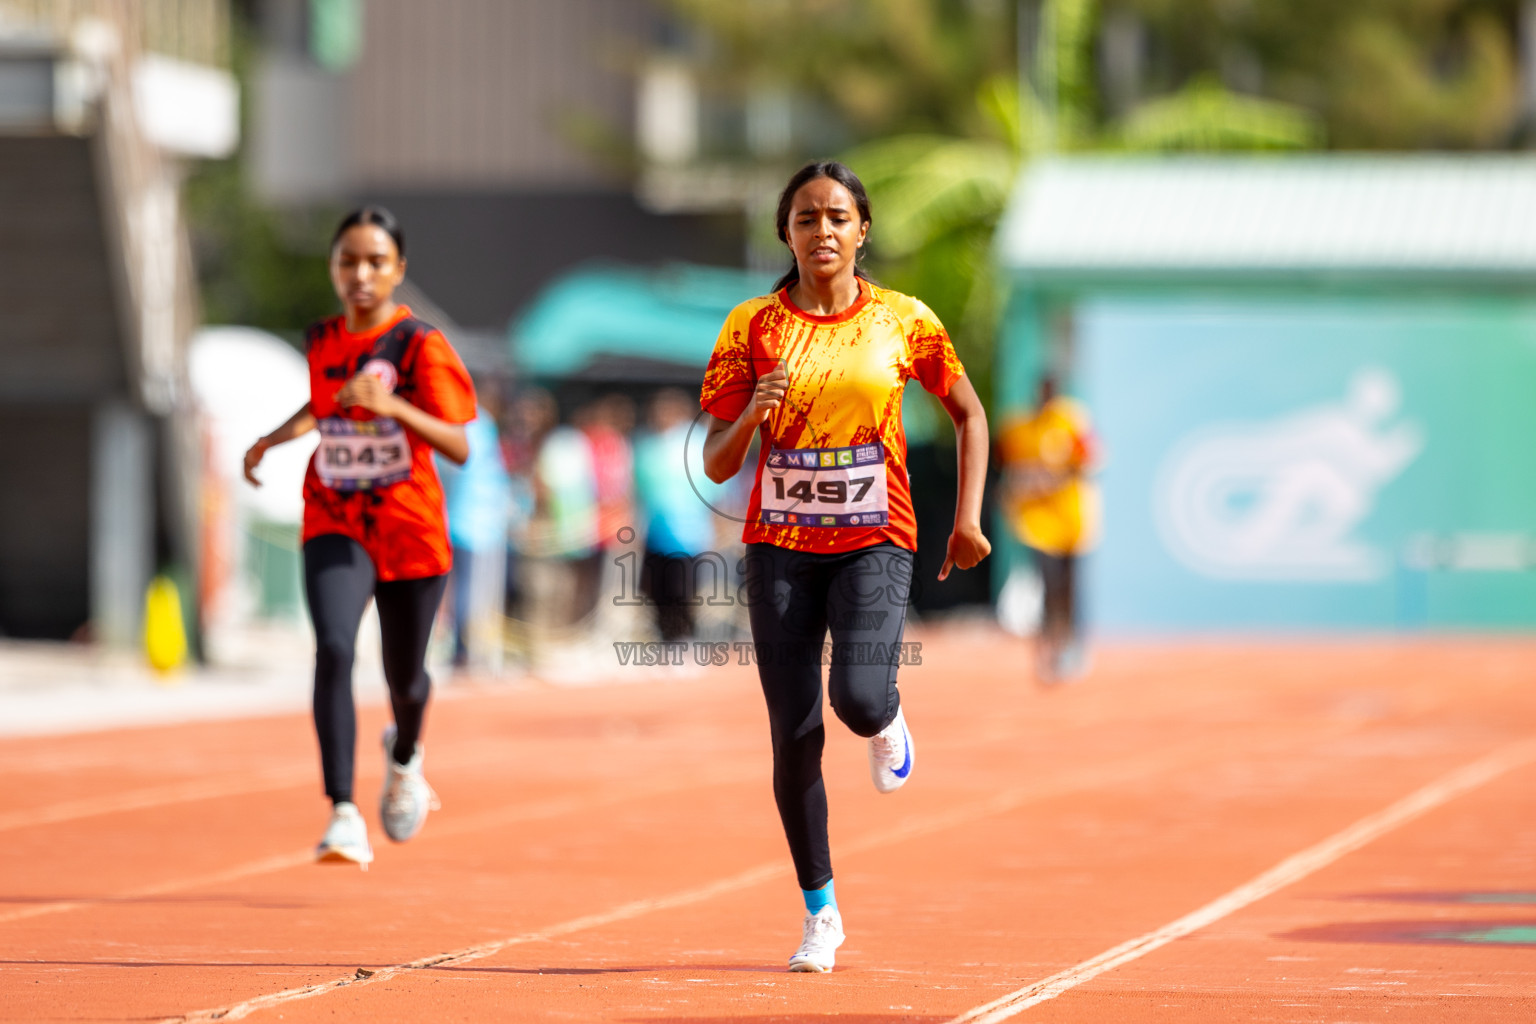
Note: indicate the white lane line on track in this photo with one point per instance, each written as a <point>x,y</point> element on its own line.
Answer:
<point>157,796</point>
<point>624,912</point>
<point>1292,869</point>
<point>264,866</point>
<point>551,808</point>
<point>998,803</point>
<point>191,791</point>
<point>1120,772</point>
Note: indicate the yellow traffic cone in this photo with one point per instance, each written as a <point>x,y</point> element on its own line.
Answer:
<point>165,636</point>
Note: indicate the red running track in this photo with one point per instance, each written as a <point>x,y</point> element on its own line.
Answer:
<point>611,853</point>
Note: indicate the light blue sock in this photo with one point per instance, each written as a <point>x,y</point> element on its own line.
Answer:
<point>815,899</point>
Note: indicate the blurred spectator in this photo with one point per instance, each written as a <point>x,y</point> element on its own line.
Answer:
<point>607,424</point>
<point>1046,457</point>
<point>479,499</point>
<point>679,525</point>
<point>563,539</point>
<point>527,418</point>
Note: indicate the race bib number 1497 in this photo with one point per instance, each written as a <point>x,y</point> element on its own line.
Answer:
<point>825,486</point>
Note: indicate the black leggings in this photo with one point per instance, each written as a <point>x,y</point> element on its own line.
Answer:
<point>1058,577</point>
<point>793,598</point>
<point>339,578</point>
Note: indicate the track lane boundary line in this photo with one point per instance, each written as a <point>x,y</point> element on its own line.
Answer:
<point>623,912</point>
<point>271,780</point>
<point>193,790</point>
<point>552,807</point>
<point>1293,869</point>
<point>555,806</point>
<point>156,796</point>
<point>1128,770</point>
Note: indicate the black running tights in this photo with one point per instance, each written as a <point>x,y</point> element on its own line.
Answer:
<point>339,579</point>
<point>793,599</point>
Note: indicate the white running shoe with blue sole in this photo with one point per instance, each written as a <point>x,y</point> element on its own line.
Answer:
<point>407,798</point>
<point>890,755</point>
<point>818,948</point>
<point>346,838</point>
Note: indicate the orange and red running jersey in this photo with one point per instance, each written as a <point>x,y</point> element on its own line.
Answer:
<point>399,519</point>
<point>820,484</point>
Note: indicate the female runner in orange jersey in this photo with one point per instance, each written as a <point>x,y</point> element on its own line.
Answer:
<point>817,370</point>
<point>386,390</point>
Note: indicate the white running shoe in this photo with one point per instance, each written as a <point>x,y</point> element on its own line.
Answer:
<point>818,949</point>
<point>890,755</point>
<point>407,797</point>
<point>346,838</point>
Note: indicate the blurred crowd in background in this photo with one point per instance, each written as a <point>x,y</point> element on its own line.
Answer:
<point>586,526</point>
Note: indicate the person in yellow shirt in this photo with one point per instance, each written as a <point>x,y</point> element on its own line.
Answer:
<point>1053,508</point>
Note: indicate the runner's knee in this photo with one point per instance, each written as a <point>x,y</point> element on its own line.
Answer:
<point>333,660</point>
<point>864,702</point>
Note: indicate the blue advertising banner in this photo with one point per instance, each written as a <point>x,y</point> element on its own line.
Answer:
<point>1315,464</point>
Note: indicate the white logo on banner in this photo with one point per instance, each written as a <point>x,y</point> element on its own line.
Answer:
<point>1280,499</point>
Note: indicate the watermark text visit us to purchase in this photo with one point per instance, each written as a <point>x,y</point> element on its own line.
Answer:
<point>708,578</point>
<point>719,652</point>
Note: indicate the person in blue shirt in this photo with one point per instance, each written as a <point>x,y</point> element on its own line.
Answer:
<point>679,525</point>
<point>479,498</point>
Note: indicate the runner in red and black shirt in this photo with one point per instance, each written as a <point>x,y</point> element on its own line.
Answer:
<point>385,391</point>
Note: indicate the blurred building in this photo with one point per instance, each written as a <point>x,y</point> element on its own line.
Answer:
<point>504,135</point>
<point>1311,375</point>
<point>101,103</point>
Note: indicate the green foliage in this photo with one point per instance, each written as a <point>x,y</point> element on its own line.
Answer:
<point>1380,74</point>
<point>1065,55</point>
<point>1396,99</point>
<point>1205,117</point>
<point>255,267</point>
<point>881,66</point>
<point>938,126</point>
<point>936,200</point>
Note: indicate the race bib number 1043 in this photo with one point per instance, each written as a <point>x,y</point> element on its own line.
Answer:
<point>825,486</point>
<point>359,455</point>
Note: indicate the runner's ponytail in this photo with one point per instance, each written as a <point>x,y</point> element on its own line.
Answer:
<point>839,173</point>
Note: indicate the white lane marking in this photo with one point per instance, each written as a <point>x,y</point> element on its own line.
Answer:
<point>998,803</point>
<point>624,912</point>
<point>267,780</point>
<point>1123,771</point>
<point>1288,871</point>
<point>551,808</point>
<point>156,796</point>
<point>264,866</point>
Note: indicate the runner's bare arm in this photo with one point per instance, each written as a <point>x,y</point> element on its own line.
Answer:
<point>300,423</point>
<point>726,444</point>
<point>967,544</point>
<point>368,391</point>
